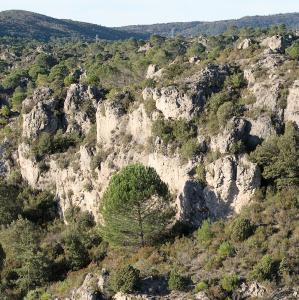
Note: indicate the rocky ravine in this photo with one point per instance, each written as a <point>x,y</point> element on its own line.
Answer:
<point>231,180</point>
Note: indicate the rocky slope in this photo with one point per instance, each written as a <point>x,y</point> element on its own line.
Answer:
<point>105,132</point>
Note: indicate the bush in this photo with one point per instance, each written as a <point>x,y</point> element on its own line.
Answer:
<point>205,233</point>
<point>241,229</point>
<point>265,269</point>
<point>201,286</point>
<point>225,112</point>
<point>201,174</point>
<point>189,149</point>
<point>293,51</point>
<point>226,249</point>
<point>125,279</point>
<point>176,282</point>
<point>230,282</point>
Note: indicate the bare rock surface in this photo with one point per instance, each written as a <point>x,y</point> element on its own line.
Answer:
<point>292,109</point>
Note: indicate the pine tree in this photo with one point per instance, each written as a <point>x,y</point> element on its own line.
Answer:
<point>135,207</point>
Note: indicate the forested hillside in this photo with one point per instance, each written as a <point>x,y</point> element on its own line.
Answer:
<point>157,169</point>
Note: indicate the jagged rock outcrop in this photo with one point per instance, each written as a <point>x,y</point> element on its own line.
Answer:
<point>153,72</point>
<point>41,115</point>
<point>175,103</point>
<point>292,110</point>
<point>236,130</point>
<point>231,182</point>
<point>253,289</point>
<point>246,43</point>
<point>88,290</point>
<point>80,108</point>
<point>275,43</point>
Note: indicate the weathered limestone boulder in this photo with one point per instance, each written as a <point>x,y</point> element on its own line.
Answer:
<point>236,130</point>
<point>251,290</point>
<point>41,116</point>
<point>292,109</point>
<point>275,43</point>
<point>260,129</point>
<point>231,182</point>
<point>174,103</point>
<point>267,94</point>
<point>246,43</point>
<point>153,72</point>
<point>89,290</point>
<point>122,296</point>
<point>194,60</point>
<point>80,108</point>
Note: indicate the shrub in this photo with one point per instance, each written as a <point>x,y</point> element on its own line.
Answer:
<point>201,174</point>
<point>176,282</point>
<point>125,279</point>
<point>230,282</point>
<point>201,286</point>
<point>293,51</point>
<point>225,112</point>
<point>265,269</point>
<point>241,229</point>
<point>189,149</point>
<point>205,233</point>
<point>226,249</point>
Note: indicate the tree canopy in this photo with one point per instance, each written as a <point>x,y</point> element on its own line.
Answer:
<point>135,207</point>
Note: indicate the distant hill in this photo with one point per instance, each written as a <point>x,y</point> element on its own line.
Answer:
<point>214,28</point>
<point>31,25</point>
<point>26,24</point>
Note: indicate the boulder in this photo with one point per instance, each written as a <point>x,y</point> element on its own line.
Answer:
<point>252,290</point>
<point>231,182</point>
<point>274,43</point>
<point>246,43</point>
<point>260,129</point>
<point>292,110</point>
<point>236,130</point>
<point>89,289</point>
<point>153,72</point>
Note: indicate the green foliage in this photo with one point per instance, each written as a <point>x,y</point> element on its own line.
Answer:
<point>131,217</point>
<point>176,282</point>
<point>230,282</point>
<point>205,233</point>
<point>5,111</point>
<point>225,112</point>
<point>200,286</point>
<point>75,251</point>
<point>201,174</point>
<point>279,157</point>
<point>17,98</point>
<point>226,249</point>
<point>49,144</point>
<point>10,205</point>
<point>124,279</point>
<point>189,149</point>
<point>293,51</point>
<point>196,49</point>
<point>14,79</point>
<point>265,269</point>
<point>241,229</point>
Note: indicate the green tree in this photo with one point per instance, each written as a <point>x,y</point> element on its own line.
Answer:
<point>241,229</point>
<point>2,257</point>
<point>75,251</point>
<point>135,207</point>
<point>279,157</point>
<point>264,269</point>
<point>230,282</point>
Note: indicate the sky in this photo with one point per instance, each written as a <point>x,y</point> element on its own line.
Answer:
<point>127,12</point>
